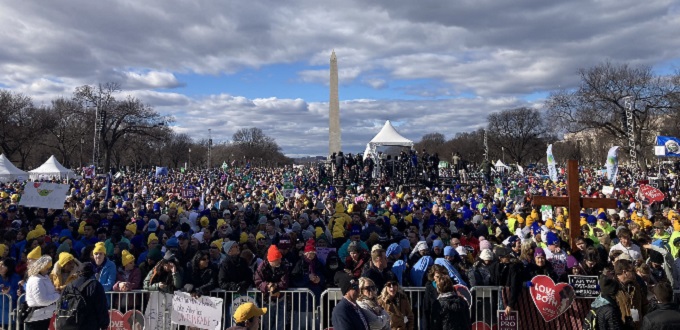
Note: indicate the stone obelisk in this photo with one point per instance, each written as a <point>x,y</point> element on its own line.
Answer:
<point>334,109</point>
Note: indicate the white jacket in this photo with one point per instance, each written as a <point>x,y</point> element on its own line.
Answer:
<point>40,291</point>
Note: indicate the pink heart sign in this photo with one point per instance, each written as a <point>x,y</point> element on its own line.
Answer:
<point>551,299</point>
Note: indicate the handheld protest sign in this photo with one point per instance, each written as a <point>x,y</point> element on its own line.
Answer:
<point>585,286</point>
<point>551,299</point>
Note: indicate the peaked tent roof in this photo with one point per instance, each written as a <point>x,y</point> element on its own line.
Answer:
<point>7,168</point>
<point>388,135</point>
<point>51,167</point>
<point>9,172</point>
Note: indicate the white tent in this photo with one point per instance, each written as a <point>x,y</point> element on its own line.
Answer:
<point>388,136</point>
<point>51,169</point>
<point>500,167</point>
<point>9,172</point>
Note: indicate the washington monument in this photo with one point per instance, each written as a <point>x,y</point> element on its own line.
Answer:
<point>334,109</point>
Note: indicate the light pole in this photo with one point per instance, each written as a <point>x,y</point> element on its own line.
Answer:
<point>82,142</point>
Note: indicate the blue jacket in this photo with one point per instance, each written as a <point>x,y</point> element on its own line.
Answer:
<point>345,317</point>
<point>107,276</point>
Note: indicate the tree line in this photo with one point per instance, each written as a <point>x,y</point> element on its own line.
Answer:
<point>126,132</point>
<point>582,123</point>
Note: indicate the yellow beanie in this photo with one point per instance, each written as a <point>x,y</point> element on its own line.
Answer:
<point>243,238</point>
<point>218,243</point>
<point>31,235</point>
<point>64,258</point>
<point>126,258</point>
<point>259,235</point>
<point>550,224</point>
<point>132,227</point>
<point>35,254</point>
<point>220,223</point>
<point>99,248</point>
<point>81,228</point>
<point>204,222</point>
<point>3,249</point>
<point>152,237</point>
<point>40,231</point>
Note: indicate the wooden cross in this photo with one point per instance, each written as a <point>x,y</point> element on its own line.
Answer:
<point>574,202</point>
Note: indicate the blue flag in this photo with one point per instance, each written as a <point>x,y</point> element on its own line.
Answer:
<point>108,186</point>
<point>161,171</point>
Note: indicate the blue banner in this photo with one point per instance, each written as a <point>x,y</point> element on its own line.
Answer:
<point>671,144</point>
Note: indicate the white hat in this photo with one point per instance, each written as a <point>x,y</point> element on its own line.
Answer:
<point>486,255</point>
<point>461,250</point>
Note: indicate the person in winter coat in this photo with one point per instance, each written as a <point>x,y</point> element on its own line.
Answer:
<point>106,269</point>
<point>430,301</point>
<point>607,313</point>
<point>165,276</point>
<point>377,270</point>
<point>307,273</point>
<point>479,273</point>
<point>202,275</point>
<point>630,296</point>
<point>507,274</point>
<point>271,278</point>
<point>129,278</point>
<point>64,272</point>
<point>357,259</point>
<point>397,305</point>
<point>40,291</point>
<point>377,317</point>
<point>234,273</point>
<point>451,311</point>
<point>666,316</point>
<point>96,313</point>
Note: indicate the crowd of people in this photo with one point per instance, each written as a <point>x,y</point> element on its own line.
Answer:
<point>233,229</point>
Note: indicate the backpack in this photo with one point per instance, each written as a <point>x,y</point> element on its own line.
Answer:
<point>590,322</point>
<point>71,307</point>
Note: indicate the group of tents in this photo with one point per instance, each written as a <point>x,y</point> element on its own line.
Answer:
<point>51,169</point>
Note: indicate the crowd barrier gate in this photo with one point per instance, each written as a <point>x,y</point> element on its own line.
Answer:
<point>296,309</point>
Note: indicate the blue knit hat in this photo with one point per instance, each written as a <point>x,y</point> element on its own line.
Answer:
<point>552,239</point>
<point>591,220</point>
<point>393,249</point>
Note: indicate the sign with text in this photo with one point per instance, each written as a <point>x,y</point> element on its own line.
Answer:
<point>584,286</point>
<point>551,299</point>
<point>508,321</point>
<point>203,312</point>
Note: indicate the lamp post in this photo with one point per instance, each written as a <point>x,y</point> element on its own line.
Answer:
<point>82,142</point>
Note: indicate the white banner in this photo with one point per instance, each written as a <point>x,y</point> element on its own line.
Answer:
<point>612,164</point>
<point>551,164</point>
<point>204,312</point>
<point>156,313</point>
<point>44,194</point>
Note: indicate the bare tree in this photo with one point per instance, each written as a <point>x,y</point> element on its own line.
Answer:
<point>600,104</point>
<point>516,132</point>
<point>120,118</point>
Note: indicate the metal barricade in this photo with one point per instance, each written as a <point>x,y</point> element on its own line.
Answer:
<point>7,319</point>
<point>486,301</point>
<point>331,297</point>
<point>294,309</point>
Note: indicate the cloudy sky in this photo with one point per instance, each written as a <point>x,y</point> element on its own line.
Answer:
<point>425,65</point>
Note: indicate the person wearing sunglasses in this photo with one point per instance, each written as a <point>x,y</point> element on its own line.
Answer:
<point>376,315</point>
<point>398,306</point>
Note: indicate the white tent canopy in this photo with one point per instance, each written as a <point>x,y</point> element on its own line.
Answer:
<point>51,169</point>
<point>9,172</point>
<point>388,136</point>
